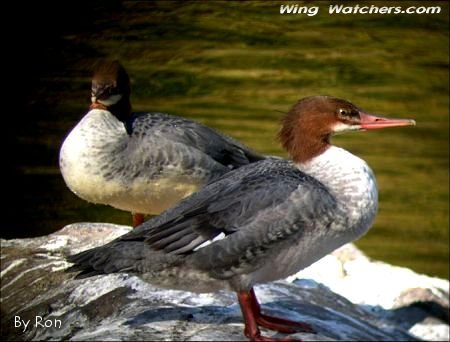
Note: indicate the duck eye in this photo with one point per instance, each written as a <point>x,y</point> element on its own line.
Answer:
<point>343,112</point>
<point>348,113</point>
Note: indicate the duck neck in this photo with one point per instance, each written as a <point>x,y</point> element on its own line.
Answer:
<point>121,110</point>
<point>351,181</point>
<point>302,147</point>
<point>306,148</point>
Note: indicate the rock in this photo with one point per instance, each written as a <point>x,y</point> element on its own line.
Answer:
<point>344,296</point>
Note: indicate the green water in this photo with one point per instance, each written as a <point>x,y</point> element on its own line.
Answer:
<point>235,66</point>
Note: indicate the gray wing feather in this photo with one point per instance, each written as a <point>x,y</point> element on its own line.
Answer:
<point>255,206</point>
<point>233,202</point>
<point>219,147</point>
<point>247,249</point>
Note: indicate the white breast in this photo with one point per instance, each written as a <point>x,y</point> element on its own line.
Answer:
<point>97,165</point>
<point>84,152</point>
<point>352,182</point>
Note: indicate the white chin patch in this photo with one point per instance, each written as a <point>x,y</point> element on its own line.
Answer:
<point>343,127</point>
<point>109,101</point>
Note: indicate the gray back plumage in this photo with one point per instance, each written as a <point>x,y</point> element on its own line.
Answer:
<point>255,206</point>
<point>223,149</point>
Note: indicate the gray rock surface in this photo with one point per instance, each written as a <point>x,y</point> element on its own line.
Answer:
<point>344,296</point>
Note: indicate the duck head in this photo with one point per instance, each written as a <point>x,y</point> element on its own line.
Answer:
<point>306,129</point>
<point>111,89</point>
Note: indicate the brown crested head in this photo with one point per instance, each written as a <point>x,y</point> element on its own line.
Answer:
<point>111,89</point>
<point>306,129</point>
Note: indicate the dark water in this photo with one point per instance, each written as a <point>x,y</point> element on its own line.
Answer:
<point>226,62</point>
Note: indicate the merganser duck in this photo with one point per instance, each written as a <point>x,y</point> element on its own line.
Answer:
<point>275,217</point>
<point>141,162</point>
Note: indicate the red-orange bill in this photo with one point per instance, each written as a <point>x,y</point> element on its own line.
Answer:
<point>374,122</point>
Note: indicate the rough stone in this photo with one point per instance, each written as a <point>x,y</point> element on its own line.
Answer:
<point>344,296</point>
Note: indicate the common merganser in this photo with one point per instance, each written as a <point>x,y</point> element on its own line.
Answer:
<point>141,162</point>
<point>261,222</point>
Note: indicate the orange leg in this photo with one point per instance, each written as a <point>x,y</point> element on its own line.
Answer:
<point>137,219</point>
<point>253,318</point>
<point>276,323</point>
